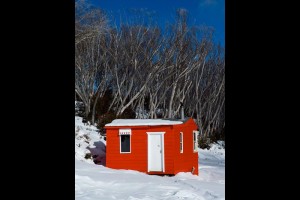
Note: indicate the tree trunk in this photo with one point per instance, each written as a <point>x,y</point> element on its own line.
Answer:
<point>170,110</point>
<point>94,108</point>
<point>87,110</point>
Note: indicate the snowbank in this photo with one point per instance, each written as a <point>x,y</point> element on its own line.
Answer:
<point>88,141</point>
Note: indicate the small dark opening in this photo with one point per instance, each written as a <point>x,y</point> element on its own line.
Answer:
<point>125,143</point>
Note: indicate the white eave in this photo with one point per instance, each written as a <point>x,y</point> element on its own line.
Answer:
<point>142,122</point>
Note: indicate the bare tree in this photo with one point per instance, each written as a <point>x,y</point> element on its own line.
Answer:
<point>207,97</point>
<point>89,22</point>
<point>90,65</point>
<point>149,70</point>
<point>185,53</point>
<point>133,67</point>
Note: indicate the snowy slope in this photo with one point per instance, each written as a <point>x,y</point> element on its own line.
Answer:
<point>88,140</point>
<point>99,182</point>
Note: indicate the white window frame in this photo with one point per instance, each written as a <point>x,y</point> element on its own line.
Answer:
<point>125,132</point>
<point>181,142</point>
<point>195,141</point>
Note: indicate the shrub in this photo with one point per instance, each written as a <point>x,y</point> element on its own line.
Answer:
<point>105,119</point>
<point>203,143</point>
<point>88,156</point>
<point>109,117</point>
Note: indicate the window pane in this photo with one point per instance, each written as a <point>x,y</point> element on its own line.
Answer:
<point>181,142</point>
<point>195,135</point>
<point>125,143</point>
<point>194,138</point>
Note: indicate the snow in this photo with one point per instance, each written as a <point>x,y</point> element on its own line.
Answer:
<point>99,182</point>
<point>142,122</point>
<point>88,140</point>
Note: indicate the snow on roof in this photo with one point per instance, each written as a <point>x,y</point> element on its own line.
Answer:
<point>142,122</point>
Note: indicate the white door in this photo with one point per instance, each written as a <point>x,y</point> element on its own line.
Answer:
<point>156,151</point>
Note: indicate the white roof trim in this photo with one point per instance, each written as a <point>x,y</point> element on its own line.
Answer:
<point>142,122</point>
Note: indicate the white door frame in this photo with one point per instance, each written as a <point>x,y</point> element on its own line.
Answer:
<point>162,148</point>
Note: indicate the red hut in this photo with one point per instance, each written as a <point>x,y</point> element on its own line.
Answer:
<point>153,146</point>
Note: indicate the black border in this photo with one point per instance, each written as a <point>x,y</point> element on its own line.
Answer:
<point>260,84</point>
<point>37,77</point>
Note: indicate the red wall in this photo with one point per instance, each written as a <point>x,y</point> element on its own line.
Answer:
<point>137,160</point>
<point>184,162</point>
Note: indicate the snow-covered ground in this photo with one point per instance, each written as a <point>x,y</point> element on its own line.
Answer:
<point>98,182</point>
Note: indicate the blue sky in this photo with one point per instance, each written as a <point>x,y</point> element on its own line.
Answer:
<point>201,12</point>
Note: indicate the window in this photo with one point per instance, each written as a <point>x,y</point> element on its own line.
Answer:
<point>125,140</point>
<point>181,142</point>
<point>195,140</point>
